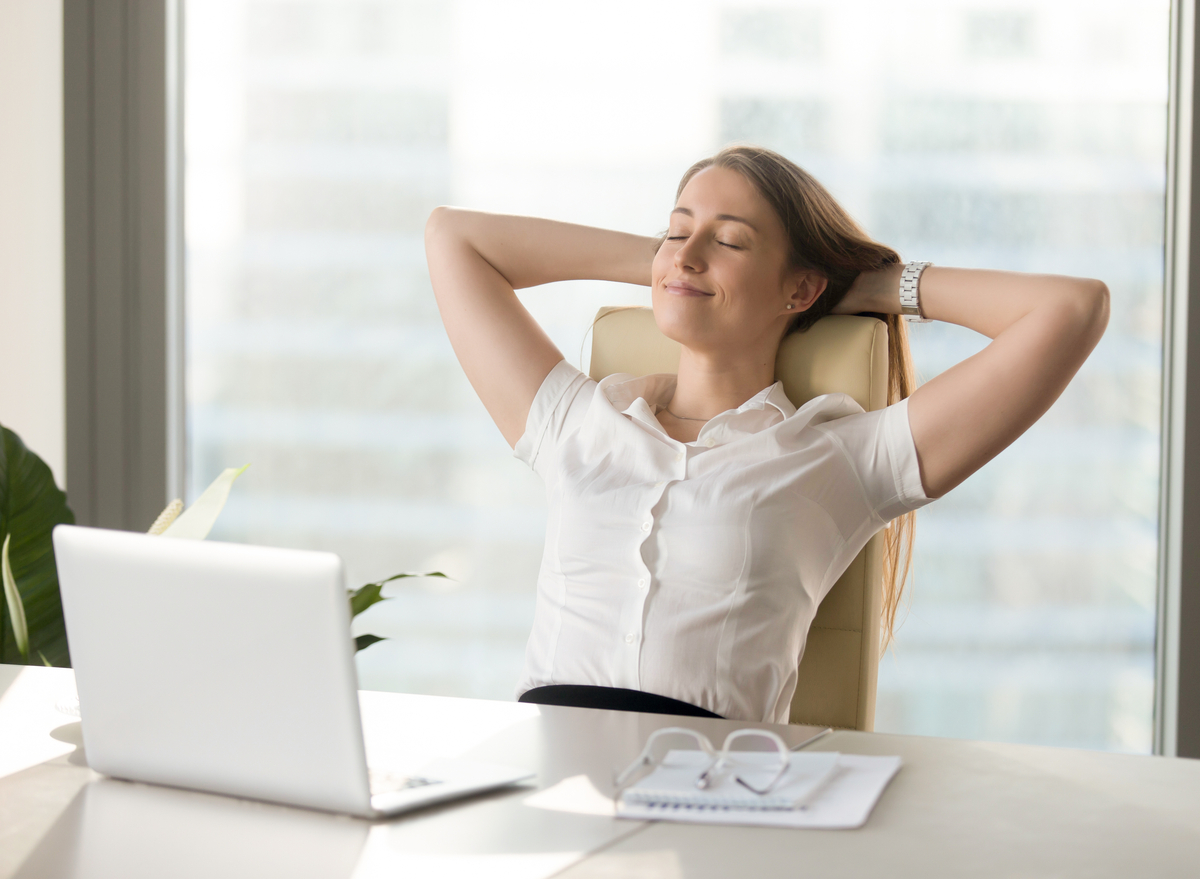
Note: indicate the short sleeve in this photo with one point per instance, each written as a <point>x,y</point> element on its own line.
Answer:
<point>558,406</point>
<point>880,448</point>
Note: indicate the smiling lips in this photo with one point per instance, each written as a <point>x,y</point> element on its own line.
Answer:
<point>682,288</point>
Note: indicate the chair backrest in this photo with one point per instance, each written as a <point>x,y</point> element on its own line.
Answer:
<point>839,354</point>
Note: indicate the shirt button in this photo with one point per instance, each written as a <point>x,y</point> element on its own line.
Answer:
<point>642,583</point>
<point>679,457</point>
<point>659,484</point>
<point>646,526</point>
<point>710,442</point>
<point>629,638</point>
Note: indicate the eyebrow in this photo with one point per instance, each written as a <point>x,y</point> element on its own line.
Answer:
<point>732,217</point>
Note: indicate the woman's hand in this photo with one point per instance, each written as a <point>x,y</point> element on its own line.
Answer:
<point>477,260</point>
<point>873,292</point>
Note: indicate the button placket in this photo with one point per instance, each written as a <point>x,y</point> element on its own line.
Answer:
<point>629,634</point>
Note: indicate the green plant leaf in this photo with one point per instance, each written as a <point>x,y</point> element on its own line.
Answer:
<point>30,506</point>
<point>364,596</point>
<point>12,599</point>
<point>196,521</point>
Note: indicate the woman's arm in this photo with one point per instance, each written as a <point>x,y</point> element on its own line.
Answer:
<point>476,261</point>
<point>1042,328</point>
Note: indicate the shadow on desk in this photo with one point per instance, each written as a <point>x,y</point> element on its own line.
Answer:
<point>117,828</point>
<point>71,734</point>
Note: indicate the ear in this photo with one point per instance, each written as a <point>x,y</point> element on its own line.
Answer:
<point>807,285</point>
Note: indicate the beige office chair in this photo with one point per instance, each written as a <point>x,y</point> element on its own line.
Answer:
<point>839,354</point>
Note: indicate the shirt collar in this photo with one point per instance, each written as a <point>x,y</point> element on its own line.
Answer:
<point>641,398</point>
<point>770,396</point>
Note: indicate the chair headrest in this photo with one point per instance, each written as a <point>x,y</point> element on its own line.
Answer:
<point>840,353</point>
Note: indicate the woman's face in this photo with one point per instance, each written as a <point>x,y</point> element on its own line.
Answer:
<point>721,282</point>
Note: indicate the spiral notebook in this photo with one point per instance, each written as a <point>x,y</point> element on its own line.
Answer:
<point>820,790</point>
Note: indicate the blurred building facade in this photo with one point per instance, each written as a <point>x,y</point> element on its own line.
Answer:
<point>319,135</point>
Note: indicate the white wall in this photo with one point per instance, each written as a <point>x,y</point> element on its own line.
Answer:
<point>31,233</point>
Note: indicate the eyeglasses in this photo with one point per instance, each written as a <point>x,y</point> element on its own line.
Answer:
<point>719,762</point>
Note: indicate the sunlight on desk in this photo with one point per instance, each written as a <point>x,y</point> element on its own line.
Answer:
<point>576,794</point>
<point>118,828</point>
<point>663,864</point>
<point>381,859</point>
<point>28,715</point>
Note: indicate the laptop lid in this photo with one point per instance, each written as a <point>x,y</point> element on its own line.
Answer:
<point>214,666</point>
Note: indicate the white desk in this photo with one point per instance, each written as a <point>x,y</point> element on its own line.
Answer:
<point>956,808</point>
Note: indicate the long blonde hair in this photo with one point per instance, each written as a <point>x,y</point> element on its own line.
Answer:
<point>825,238</point>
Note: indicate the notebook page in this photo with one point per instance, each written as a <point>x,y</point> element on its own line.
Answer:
<point>844,802</point>
<point>673,782</point>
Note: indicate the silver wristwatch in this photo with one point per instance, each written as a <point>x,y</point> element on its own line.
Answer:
<point>910,291</point>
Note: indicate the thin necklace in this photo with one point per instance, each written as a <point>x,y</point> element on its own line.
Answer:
<point>683,417</point>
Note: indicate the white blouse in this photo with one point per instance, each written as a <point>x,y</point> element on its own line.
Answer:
<point>694,570</point>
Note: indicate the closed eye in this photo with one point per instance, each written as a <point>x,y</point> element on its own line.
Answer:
<point>722,243</point>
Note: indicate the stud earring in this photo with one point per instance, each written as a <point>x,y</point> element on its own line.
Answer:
<point>790,306</point>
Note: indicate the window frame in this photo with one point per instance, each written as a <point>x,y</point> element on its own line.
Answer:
<point>1177,645</point>
<point>122,114</point>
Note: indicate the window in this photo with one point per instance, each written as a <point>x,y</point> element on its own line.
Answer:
<point>320,134</point>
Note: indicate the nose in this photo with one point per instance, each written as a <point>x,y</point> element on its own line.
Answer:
<point>691,255</point>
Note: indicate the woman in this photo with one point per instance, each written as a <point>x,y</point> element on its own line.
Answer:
<point>697,521</point>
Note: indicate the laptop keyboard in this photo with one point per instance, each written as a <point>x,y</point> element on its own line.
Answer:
<point>384,781</point>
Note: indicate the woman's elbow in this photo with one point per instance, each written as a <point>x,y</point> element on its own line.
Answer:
<point>1095,309</point>
<point>1086,312</point>
<point>440,223</point>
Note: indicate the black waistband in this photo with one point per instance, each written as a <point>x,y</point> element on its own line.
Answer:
<point>613,699</point>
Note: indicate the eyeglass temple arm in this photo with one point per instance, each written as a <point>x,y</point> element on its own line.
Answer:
<point>643,758</point>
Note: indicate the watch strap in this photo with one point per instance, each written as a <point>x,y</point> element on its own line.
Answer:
<point>910,291</point>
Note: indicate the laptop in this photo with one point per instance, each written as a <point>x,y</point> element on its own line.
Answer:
<point>230,669</point>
